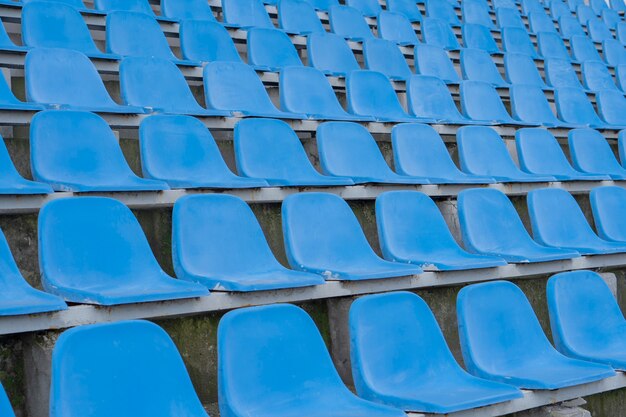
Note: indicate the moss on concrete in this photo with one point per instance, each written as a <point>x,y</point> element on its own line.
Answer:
<point>12,372</point>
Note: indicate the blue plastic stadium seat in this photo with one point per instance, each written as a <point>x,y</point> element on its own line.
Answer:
<point>585,13</point>
<point>539,153</point>
<point>323,4</point>
<point>429,98</point>
<point>8,101</point>
<point>573,4</point>
<point>551,46</point>
<point>618,5</point>
<point>436,32</point>
<point>530,105</point>
<point>585,318</point>
<point>77,4</point>
<point>181,151</point>
<point>270,149</point>
<point>397,28</point>
<point>349,150</point>
<point>509,17</point>
<point>349,23</point>
<point>480,101</point>
<point>442,10</point>
<point>66,78</point>
<point>504,4</point>
<point>419,151</point>
<point>206,41</point>
<point>11,182</point>
<point>434,61</point>
<point>583,49</point>
<point>368,8</point>
<point>612,107</point>
<point>111,360</point>
<point>298,16</point>
<point>614,52</point>
<point>6,44</point>
<point>57,25</point>
<point>611,18</point>
<point>218,242</point>
<point>490,225</point>
<point>331,54</point>
<point>77,151</point>
<point>385,57</point>
<point>322,235</point>
<point>502,340</point>
<point>246,14</point>
<point>483,152</point>
<point>5,405</point>
<point>479,37</point>
<point>411,229</point>
<point>271,50</point>
<point>596,76</point>
<point>591,153</point>
<point>598,31</point>
<point>621,147</point>
<point>607,206</point>
<point>558,221</point>
<point>92,250</point>
<point>306,90</point>
<point>518,41</point>
<point>620,75</point>
<point>521,69</point>
<point>620,32</point>
<point>405,7</point>
<point>142,6</point>
<point>234,86</point>
<point>400,358</point>
<point>476,12</point>
<point>561,74</point>
<point>569,27</point>
<point>598,6</point>
<point>123,38</point>
<point>371,94</point>
<point>540,22</point>
<point>574,107</point>
<point>298,376</point>
<point>187,9</point>
<point>530,6</point>
<point>559,9</point>
<point>477,65</point>
<point>158,84</point>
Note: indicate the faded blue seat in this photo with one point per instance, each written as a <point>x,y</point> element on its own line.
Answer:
<point>57,25</point>
<point>530,105</point>
<point>598,6</point>
<point>509,17</point>
<point>620,32</point>
<point>11,182</point>
<point>612,108</point>
<point>187,9</point>
<point>77,4</point>
<point>141,6</point>
<point>618,5</point>
<point>235,87</point>
<point>405,7</point>
<point>574,107</point>
<point>371,94</point>
<point>110,360</point>
<point>518,41</point>
<point>611,18</point>
<point>596,76</point>
<point>411,229</point>
<point>206,41</point>
<point>349,23</point>
<point>368,8</point>
<point>246,14</point>
<point>614,52</point>
<point>331,54</point>
<point>607,207</point>
<point>322,235</point>
<point>218,242</point>
<point>92,250</point>
<point>558,221</point>
<point>598,31</point>
<point>584,13</point>
<point>434,61</point>
<point>397,28</point>
<point>569,27</point>
<point>559,9</point>
<point>77,151</point>
<point>573,4</point>
<point>539,153</point>
<point>540,22</point>
<point>502,340</point>
<point>583,49</point>
<point>385,57</point>
<point>479,37</point>
<point>531,6</point>
<point>419,151</point>
<point>436,32</point>
<point>442,10</point>
<point>591,153</point>
<point>349,150</point>
<point>306,90</point>
<point>521,69</point>
<point>298,376</point>
<point>123,38</point>
<point>17,297</point>
<point>271,50</point>
<point>505,4</point>
<point>561,74</point>
<point>271,150</point>
<point>477,65</point>
<point>483,152</point>
<point>323,4</point>
<point>490,225</point>
<point>66,78</point>
<point>298,16</point>
<point>585,319</point>
<point>477,12</point>
<point>400,358</point>
<point>158,84</point>
<point>480,101</point>
<point>429,98</point>
<point>551,46</point>
<point>620,75</point>
<point>181,151</point>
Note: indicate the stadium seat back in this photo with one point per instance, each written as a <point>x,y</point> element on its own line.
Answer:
<point>405,7</point>
<point>477,65</point>
<point>530,105</point>
<point>607,206</point>
<point>368,8</point>
<point>590,152</point>
<point>574,107</point>
<point>614,52</point>
<point>521,69</point>
<point>271,50</point>
<point>479,37</point>
<point>141,6</point>
<point>583,49</point>
<point>599,31</point>
<point>124,39</point>
<point>187,9</point>
<point>596,76</point>
<point>370,93</point>
<point>246,14</point>
<point>518,41</point>
<point>298,16</point>
<point>570,27</point>
<point>206,41</point>
<point>480,101</point>
<point>551,46</point>
<point>561,74</point>
<point>476,12</point>
<point>509,17</point>
<point>611,107</point>
<point>349,23</point>
<point>396,27</point>
<point>331,54</point>
<point>442,10</point>
<point>540,22</point>
<point>11,182</point>
<point>385,57</point>
<point>436,32</point>
<point>434,61</point>
<point>430,98</point>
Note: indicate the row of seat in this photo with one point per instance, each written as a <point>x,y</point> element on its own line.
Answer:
<point>92,249</point>
<point>400,359</point>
